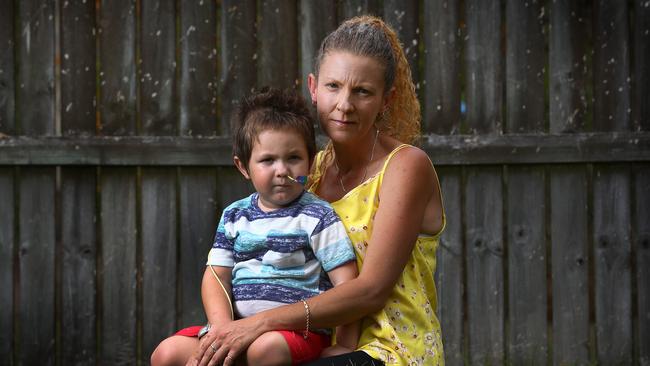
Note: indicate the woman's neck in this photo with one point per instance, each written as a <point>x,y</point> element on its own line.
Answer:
<point>356,155</point>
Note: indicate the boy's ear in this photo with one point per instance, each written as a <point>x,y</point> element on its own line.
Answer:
<point>241,167</point>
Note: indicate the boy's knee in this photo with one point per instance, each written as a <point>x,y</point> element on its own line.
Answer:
<point>165,354</point>
<point>270,349</point>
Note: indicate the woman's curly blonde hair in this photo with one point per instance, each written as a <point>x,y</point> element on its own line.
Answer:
<point>371,37</point>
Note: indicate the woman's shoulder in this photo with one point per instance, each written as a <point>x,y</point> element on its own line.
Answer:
<point>408,156</point>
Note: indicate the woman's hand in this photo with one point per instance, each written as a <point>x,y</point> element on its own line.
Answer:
<point>224,344</point>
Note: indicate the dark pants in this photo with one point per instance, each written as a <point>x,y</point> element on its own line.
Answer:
<point>358,358</point>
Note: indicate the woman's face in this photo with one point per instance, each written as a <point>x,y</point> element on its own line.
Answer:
<point>349,94</point>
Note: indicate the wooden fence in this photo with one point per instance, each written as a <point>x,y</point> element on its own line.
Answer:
<point>115,164</point>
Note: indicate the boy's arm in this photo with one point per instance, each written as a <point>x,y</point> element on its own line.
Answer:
<point>216,304</point>
<point>347,335</point>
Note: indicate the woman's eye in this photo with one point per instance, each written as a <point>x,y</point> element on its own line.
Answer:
<point>331,85</point>
<point>362,91</point>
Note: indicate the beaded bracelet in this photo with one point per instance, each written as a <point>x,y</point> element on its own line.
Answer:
<point>305,334</point>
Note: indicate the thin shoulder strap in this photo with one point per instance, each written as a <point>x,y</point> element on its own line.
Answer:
<point>392,153</point>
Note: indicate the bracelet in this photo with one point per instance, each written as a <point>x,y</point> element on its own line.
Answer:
<point>305,334</point>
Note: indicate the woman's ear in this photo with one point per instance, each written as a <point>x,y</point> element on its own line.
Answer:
<point>241,167</point>
<point>312,83</point>
<point>388,98</point>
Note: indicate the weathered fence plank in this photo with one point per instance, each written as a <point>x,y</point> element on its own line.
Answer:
<point>611,62</point>
<point>78,68</point>
<point>525,67</point>
<point>117,73</point>
<point>483,75</point>
<point>35,75</point>
<point>570,264</point>
<point>483,216</point>
<point>198,72</point>
<point>7,240</point>
<point>78,268</point>
<point>642,248</point>
<point>641,61</point>
<point>612,260</point>
<point>317,19</point>
<point>158,74</point>
<point>527,295</point>
<point>118,268</point>
<point>449,269</point>
<point>7,67</point>
<point>278,44</point>
<point>611,188</point>
<point>403,16</point>
<point>238,56</point>
<point>159,257</point>
<point>441,79</point>
<point>569,204</point>
<point>568,41</point>
<point>198,225</point>
<point>36,281</point>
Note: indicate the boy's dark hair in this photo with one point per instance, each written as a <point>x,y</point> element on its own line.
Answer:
<point>271,109</point>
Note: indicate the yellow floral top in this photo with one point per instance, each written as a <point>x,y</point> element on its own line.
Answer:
<point>407,330</point>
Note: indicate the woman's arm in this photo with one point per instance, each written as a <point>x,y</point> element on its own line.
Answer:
<point>347,335</point>
<point>409,187</point>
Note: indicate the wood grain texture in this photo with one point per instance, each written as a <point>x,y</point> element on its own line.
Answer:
<point>444,150</point>
<point>483,75</point>
<point>525,67</point>
<point>641,51</point>
<point>238,56</point>
<point>612,261</point>
<point>79,264</point>
<point>404,17</point>
<point>483,216</point>
<point>158,98</point>
<point>317,19</point>
<point>611,62</point>
<point>36,284</point>
<point>118,267</point>
<point>568,39</point>
<point>449,271</point>
<point>278,44</point>
<point>441,84</point>
<point>7,244</point>
<point>199,219</point>
<point>569,230</point>
<point>35,76</point>
<point>198,72</point>
<point>527,295</point>
<point>117,72</point>
<point>7,67</point>
<point>642,248</point>
<point>78,68</point>
<point>159,257</point>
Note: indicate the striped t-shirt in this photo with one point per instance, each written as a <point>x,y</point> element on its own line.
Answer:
<point>279,257</point>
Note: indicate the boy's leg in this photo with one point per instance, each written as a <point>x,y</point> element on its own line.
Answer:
<point>270,349</point>
<point>175,350</point>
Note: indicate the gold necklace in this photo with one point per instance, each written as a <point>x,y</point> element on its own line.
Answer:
<point>365,173</point>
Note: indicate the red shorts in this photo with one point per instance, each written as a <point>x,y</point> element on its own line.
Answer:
<point>302,350</point>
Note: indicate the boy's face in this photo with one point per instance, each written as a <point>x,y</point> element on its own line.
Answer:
<point>275,155</point>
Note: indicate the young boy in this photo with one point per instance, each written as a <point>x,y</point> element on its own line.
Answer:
<point>281,243</point>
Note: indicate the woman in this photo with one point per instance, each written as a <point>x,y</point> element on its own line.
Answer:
<point>388,197</point>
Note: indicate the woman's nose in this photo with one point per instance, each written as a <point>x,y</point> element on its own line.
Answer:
<point>344,104</point>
